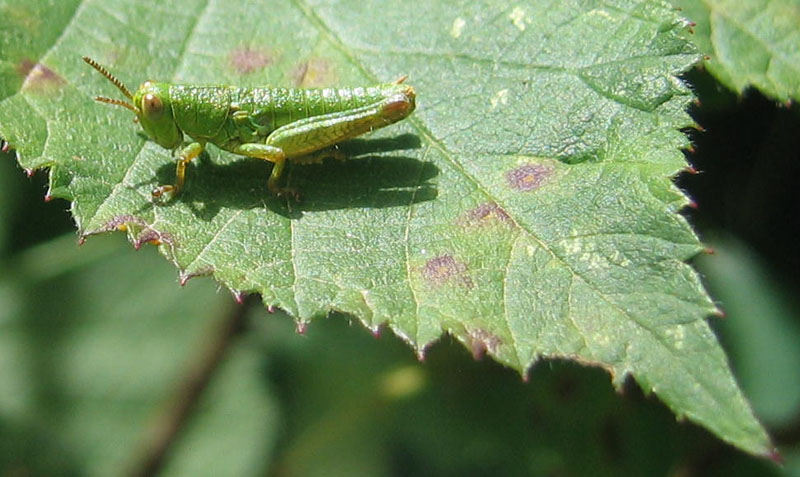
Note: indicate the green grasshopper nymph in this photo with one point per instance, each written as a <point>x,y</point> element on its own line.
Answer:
<point>274,124</point>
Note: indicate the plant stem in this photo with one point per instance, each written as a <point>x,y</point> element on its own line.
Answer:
<point>165,430</point>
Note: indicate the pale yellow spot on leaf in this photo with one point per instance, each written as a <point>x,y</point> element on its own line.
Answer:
<point>499,98</point>
<point>601,13</point>
<point>517,17</point>
<point>458,27</point>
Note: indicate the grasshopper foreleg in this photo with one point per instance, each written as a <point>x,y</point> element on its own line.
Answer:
<point>187,154</point>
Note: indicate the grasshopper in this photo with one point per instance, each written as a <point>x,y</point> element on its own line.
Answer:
<point>274,124</point>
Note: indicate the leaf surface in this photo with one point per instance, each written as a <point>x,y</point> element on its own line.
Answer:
<point>750,43</point>
<point>526,207</point>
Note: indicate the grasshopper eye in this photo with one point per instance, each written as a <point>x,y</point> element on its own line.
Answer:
<point>152,107</point>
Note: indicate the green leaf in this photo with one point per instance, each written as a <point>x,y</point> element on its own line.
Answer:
<point>750,43</point>
<point>526,207</point>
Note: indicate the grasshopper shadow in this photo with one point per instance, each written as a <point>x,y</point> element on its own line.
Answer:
<point>370,177</point>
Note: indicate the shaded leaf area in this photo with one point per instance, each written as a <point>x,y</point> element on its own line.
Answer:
<point>750,43</point>
<point>93,343</point>
<point>526,208</point>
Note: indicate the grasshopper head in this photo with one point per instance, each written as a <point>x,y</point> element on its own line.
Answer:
<point>151,106</point>
<point>155,114</point>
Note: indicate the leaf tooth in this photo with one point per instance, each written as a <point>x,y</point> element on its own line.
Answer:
<point>239,296</point>
<point>186,275</point>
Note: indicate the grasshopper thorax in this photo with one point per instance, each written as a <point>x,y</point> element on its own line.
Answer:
<point>152,100</point>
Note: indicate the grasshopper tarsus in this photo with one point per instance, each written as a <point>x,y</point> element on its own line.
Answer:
<point>160,192</point>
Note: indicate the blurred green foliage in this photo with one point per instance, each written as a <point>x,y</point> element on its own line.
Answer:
<point>95,339</point>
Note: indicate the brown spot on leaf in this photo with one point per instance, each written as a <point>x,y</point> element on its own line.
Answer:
<point>446,269</point>
<point>147,235</point>
<point>481,340</point>
<point>38,77</point>
<point>312,73</point>
<point>529,176</point>
<point>485,213</point>
<point>24,67</point>
<point>153,237</point>
<point>246,60</point>
<point>120,221</point>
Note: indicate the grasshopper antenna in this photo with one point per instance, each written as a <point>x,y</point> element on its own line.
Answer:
<point>117,83</point>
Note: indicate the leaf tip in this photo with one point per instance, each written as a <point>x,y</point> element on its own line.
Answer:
<point>185,276</point>
<point>619,378</point>
<point>481,340</point>
<point>775,456</point>
<point>691,170</point>
<point>238,296</point>
<point>301,327</point>
<point>526,374</point>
